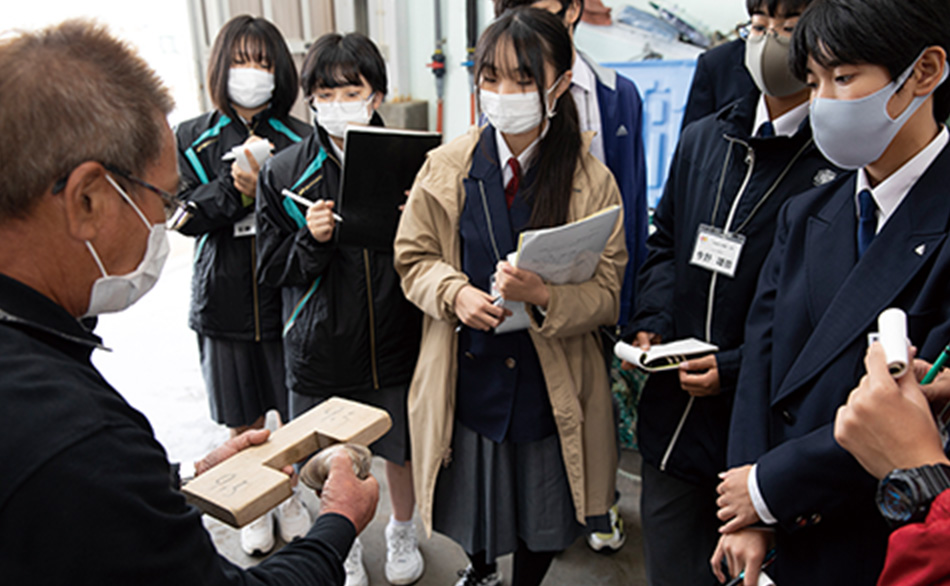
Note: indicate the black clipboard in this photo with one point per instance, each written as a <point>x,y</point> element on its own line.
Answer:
<point>379,165</point>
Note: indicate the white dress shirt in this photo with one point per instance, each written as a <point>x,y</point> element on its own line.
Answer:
<point>584,92</point>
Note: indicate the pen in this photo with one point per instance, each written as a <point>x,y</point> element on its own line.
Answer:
<point>494,301</point>
<point>769,558</point>
<point>306,202</point>
<point>941,360</point>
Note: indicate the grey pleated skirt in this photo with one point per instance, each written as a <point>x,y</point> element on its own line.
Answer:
<point>244,379</point>
<point>394,446</point>
<point>492,494</point>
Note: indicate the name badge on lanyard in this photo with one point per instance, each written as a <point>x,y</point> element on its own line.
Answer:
<point>246,226</point>
<point>717,251</point>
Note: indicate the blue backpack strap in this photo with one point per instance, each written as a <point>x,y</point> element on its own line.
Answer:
<point>283,129</point>
<point>192,156</point>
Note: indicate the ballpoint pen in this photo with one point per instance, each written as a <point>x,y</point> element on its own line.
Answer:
<point>769,558</point>
<point>938,364</point>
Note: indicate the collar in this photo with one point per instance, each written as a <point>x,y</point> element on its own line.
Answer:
<point>24,307</point>
<point>525,159</point>
<point>889,194</point>
<point>606,76</point>
<point>336,150</point>
<point>583,75</point>
<point>785,125</point>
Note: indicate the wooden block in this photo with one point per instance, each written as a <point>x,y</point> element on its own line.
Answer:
<point>250,483</point>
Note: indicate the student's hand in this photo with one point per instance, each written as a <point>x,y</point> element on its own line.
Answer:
<point>475,309</point>
<point>320,220</point>
<point>519,285</point>
<point>345,494</point>
<point>742,551</point>
<point>246,181</point>
<point>642,340</point>
<point>938,391</point>
<point>700,377</point>
<point>251,437</point>
<point>735,504</point>
<point>403,206</point>
<point>888,424</point>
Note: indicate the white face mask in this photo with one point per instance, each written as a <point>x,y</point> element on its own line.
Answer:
<point>766,59</point>
<point>111,293</point>
<point>515,113</point>
<point>854,133</point>
<point>335,116</point>
<point>249,87</point>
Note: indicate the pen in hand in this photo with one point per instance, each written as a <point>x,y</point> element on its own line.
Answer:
<point>494,301</point>
<point>306,202</point>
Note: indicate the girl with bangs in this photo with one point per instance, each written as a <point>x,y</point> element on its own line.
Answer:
<point>252,81</point>
<point>512,434</point>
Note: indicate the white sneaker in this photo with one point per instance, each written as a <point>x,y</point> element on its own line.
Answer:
<point>467,578</point>
<point>353,566</point>
<point>258,537</point>
<point>613,541</point>
<point>293,519</point>
<point>404,564</point>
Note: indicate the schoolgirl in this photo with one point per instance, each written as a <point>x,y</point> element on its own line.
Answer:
<point>252,81</point>
<point>512,434</point>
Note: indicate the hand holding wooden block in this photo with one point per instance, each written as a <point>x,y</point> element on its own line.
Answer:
<point>247,485</point>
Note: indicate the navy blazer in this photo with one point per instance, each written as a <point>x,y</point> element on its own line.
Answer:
<point>720,79</point>
<point>805,341</point>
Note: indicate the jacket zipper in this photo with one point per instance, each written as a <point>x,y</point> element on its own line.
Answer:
<point>257,309</point>
<point>372,320</point>
<point>750,161</point>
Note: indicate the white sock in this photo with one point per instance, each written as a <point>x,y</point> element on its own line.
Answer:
<point>394,523</point>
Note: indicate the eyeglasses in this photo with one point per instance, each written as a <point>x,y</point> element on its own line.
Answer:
<point>177,212</point>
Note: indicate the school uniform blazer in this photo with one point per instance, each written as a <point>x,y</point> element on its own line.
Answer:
<point>805,341</point>
<point>621,115</point>
<point>720,79</point>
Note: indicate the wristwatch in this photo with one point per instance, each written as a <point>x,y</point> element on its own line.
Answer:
<point>904,496</point>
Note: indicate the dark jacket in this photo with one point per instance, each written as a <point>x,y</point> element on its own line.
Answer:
<point>79,462</point>
<point>720,79</point>
<point>715,162</point>
<point>226,299</point>
<point>806,338</point>
<point>347,324</point>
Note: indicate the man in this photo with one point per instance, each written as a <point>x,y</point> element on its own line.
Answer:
<point>609,105</point>
<point>87,496</point>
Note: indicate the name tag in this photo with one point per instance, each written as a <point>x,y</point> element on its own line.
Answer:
<point>246,227</point>
<point>717,251</point>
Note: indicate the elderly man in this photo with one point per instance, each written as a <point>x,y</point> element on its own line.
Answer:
<point>88,160</point>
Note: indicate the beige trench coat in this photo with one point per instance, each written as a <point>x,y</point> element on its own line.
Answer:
<point>428,259</point>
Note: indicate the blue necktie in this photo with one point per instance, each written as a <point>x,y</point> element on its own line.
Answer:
<point>767,130</point>
<point>867,220</point>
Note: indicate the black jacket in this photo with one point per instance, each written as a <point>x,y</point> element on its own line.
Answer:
<point>226,299</point>
<point>721,78</point>
<point>715,156</point>
<point>347,325</point>
<point>86,496</point>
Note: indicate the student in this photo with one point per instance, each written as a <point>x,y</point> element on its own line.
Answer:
<point>844,252</point>
<point>348,329</point>
<point>609,105</point>
<point>512,434</point>
<point>252,81</point>
<point>720,79</point>
<point>727,183</point>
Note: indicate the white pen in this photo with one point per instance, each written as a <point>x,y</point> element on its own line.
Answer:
<point>306,202</point>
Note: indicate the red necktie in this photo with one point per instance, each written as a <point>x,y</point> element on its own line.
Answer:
<point>512,188</point>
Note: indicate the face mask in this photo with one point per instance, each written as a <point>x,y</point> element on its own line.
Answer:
<point>111,293</point>
<point>249,87</point>
<point>335,116</point>
<point>515,113</point>
<point>766,58</point>
<point>854,133</point>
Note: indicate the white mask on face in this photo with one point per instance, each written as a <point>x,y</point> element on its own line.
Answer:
<point>515,113</point>
<point>335,116</point>
<point>249,87</point>
<point>111,293</point>
<point>854,133</point>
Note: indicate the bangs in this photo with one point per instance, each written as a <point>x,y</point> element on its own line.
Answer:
<point>252,48</point>
<point>528,47</point>
<point>336,73</point>
<point>772,6</point>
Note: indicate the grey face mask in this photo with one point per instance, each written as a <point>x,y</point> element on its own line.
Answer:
<point>854,133</point>
<point>766,58</point>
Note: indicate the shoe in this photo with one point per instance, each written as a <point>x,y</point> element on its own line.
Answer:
<point>467,577</point>
<point>613,541</point>
<point>404,564</point>
<point>353,566</point>
<point>258,538</point>
<point>293,519</point>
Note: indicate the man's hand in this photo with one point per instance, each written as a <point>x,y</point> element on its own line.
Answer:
<point>735,504</point>
<point>320,220</point>
<point>345,494</point>
<point>475,309</point>
<point>700,377</point>
<point>642,340</point>
<point>888,424</point>
<point>515,284</point>
<point>743,552</point>
<point>251,437</point>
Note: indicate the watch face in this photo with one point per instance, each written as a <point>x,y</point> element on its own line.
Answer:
<point>897,499</point>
